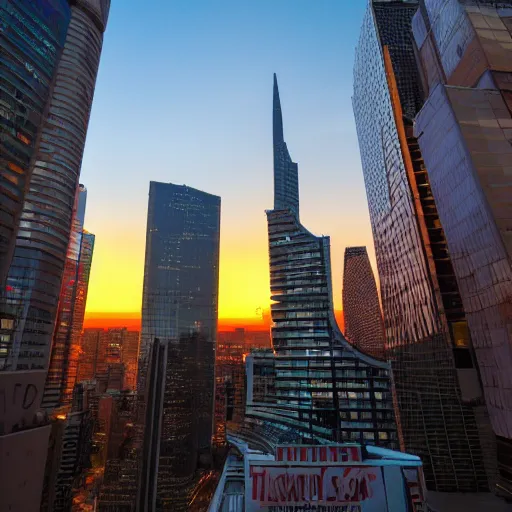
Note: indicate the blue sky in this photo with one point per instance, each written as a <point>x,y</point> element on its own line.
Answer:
<point>184,95</point>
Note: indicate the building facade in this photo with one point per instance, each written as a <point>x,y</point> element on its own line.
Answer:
<point>443,417</point>
<point>179,308</point>
<point>35,274</point>
<point>324,388</point>
<point>313,399</point>
<point>464,133</point>
<point>365,331</point>
<point>32,36</point>
<point>56,388</point>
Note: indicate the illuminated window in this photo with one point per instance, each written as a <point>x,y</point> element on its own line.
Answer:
<point>7,323</point>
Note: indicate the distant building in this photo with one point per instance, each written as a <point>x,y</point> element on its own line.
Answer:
<point>61,376</point>
<point>129,358</point>
<point>91,342</point>
<point>109,357</point>
<point>179,309</point>
<point>363,318</point>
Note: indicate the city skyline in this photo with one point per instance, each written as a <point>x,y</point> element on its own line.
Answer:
<point>231,101</point>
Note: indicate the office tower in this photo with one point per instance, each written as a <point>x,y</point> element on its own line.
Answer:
<point>59,386</point>
<point>80,301</point>
<point>365,331</point>
<point>179,308</point>
<point>129,357</point>
<point>324,387</point>
<point>31,37</point>
<point>229,381</point>
<point>43,103</point>
<point>442,415</point>
<point>464,133</point>
<point>90,343</point>
<point>35,274</point>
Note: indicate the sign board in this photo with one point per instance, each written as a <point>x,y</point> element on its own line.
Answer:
<point>339,488</point>
<point>332,478</point>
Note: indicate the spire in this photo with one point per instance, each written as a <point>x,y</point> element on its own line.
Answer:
<point>286,180</point>
<point>278,116</point>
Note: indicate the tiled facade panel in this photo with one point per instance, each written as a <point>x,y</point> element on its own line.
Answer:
<point>467,192</point>
<point>363,318</point>
<point>469,38</point>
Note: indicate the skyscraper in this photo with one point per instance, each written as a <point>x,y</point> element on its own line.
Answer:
<point>31,36</point>
<point>129,357</point>
<point>35,275</point>
<point>365,331</point>
<point>179,309</point>
<point>61,354</point>
<point>324,387</point>
<point>442,415</point>
<point>464,133</point>
<point>50,55</point>
<point>92,342</point>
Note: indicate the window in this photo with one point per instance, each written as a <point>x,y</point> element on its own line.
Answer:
<point>7,323</point>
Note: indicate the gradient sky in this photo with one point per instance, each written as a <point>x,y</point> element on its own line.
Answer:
<point>184,95</point>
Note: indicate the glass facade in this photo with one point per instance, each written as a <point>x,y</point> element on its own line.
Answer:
<point>35,275</point>
<point>60,359</point>
<point>286,172</point>
<point>323,389</point>
<point>32,35</point>
<point>365,331</point>
<point>180,301</point>
<point>442,416</point>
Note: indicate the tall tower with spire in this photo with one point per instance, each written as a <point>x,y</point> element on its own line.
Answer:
<point>286,173</point>
<point>321,381</point>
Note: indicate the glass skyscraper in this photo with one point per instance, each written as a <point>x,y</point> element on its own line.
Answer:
<point>179,309</point>
<point>50,52</point>
<point>325,389</point>
<point>32,35</point>
<point>365,331</point>
<point>56,380</point>
<point>442,415</point>
<point>36,270</point>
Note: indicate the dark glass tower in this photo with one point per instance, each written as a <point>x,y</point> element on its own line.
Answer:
<point>365,331</point>
<point>32,35</point>
<point>325,389</point>
<point>179,310</point>
<point>442,413</point>
<point>36,270</point>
